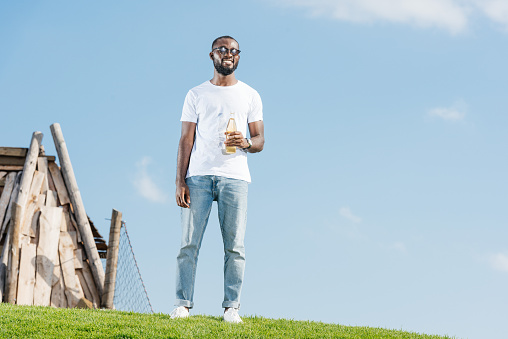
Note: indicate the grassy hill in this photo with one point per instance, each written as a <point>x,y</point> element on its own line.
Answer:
<point>46,322</point>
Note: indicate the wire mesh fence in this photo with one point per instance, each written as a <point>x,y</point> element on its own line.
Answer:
<point>130,291</point>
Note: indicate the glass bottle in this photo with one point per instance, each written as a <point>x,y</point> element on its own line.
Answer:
<point>231,128</point>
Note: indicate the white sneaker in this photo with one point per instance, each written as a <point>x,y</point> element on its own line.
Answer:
<point>231,316</point>
<point>180,312</point>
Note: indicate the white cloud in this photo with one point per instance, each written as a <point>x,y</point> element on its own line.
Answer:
<point>346,213</point>
<point>496,10</point>
<point>499,262</point>
<point>145,185</point>
<point>454,113</point>
<point>450,15</point>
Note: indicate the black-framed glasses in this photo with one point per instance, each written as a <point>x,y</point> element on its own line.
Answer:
<point>223,50</point>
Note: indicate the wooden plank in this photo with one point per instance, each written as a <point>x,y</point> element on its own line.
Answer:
<point>78,259</point>
<point>58,298</point>
<point>86,290</point>
<point>42,166</point>
<point>12,161</point>
<point>56,270</point>
<point>35,220</point>
<point>29,170</point>
<point>51,199</point>
<point>51,184</point>
<point>6,196</point>
<point>27,220</point>
<point>74,239</point>
<point>58,180</point>
<point>14,196</point>
<point>12,272</point>
<point>47,253</point>
<point>112,259</point>
<point>33,227</point>
<point>31,206</point>
<point>35,187</point>
<point>14,151</point>
<point>19,161</point>
<point>57,287</point>
<point>66,251</point>
<point>84,303</point>
<point>75,225</point>
<point>78,284</point>
<point>91,284</point>
<point>4,263</point>
<point>79,208</point>
<point>2,175</point>
<point>10,168</point>
<point>66,221</point>
<point>26,275</point>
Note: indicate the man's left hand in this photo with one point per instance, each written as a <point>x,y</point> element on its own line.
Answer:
<point>236,139</point>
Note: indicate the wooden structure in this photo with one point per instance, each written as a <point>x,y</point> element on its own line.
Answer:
<point>50,249</point>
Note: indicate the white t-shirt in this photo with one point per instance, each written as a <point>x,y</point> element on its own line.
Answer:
<point>210,106</point>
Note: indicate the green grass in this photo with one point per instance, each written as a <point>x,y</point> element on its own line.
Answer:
<point>46,322</point>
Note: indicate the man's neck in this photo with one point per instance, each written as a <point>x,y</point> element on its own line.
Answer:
<point>223,80</point>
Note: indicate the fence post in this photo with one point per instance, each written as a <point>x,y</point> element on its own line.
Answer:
<point>112,260</point>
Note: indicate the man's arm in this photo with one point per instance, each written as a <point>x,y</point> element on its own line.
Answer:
<point>182,163</point>
<point>257,137</point>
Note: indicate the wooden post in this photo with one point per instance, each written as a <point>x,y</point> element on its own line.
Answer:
<point>12,272</point>
<point>4,263</point>
<point>29,169</point>
<point>79,209</point>
<point>112,260</point>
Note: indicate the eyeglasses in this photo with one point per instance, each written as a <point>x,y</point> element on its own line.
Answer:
<point>223,50</point>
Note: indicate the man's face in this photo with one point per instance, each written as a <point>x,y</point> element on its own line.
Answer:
<point>226,63</point>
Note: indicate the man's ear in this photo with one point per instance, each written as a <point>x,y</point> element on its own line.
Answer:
<point>211,55</point>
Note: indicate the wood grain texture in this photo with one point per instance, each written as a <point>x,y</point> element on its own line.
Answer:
<point>58,298</point>
<point>12,271</point>
<point>10,168</point>
<point>29,169</point>
<point>6,196</point>
<point>79,208</point>
<point>58,181</point>
<point>42,166</point>
<point>13,151</point>
<point>47,253</point>
<point>72,290</point>
<point>51,199</point>
<point>112,260</point>
<point>4,263</point>
<point>26,275</point>
<point>96,299</point>
<point>14,196</point>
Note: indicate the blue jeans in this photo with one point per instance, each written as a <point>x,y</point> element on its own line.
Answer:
<point>231,197</point>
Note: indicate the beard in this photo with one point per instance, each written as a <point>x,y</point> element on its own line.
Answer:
<point>224,70</point>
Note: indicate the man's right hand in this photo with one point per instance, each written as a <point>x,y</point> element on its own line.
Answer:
<point>182,195</point>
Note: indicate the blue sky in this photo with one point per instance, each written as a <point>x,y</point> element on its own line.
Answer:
<point>380,197</point>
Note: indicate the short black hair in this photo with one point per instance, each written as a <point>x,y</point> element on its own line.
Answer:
<point>224,37</point>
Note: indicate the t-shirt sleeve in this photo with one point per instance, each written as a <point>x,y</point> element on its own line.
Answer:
<point>256,112</point>
<point>189,108</point>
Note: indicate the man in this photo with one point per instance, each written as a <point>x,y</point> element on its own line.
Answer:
<point>207,173</point>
